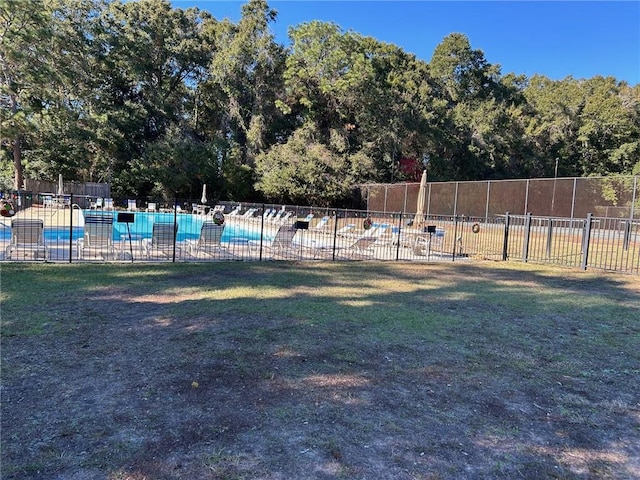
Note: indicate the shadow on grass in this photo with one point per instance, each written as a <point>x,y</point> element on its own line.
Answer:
<point>318,371</point>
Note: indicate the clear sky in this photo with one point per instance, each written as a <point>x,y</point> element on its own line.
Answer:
<point>553,38</point>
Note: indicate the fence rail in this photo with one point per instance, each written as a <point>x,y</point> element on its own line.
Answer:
<point>187,232</point>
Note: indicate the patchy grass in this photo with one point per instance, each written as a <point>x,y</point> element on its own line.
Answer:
<point>310,371</point>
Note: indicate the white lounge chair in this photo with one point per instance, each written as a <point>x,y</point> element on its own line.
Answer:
<point>281,243</point>
<point>97,238</point>
<point>47,201</point>
<point>27,238</point>
<point>283,219</point>
<point>98,204</point>
<point>360,247</point>
<point>235,211</point>
<point>346,230</point>
<point>132,206</point>
<point>249,213</point>
<point>163,238</point>
<point>209,240</point>
<point>321,226</point>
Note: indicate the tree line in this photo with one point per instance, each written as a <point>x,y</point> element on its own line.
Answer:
<point>159,100</point>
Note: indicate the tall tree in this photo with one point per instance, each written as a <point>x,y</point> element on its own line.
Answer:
<point>24,33</point>
<point>608,131</point>
<point>246,71</point>
<point>150,59</point>
<point>363,95</point>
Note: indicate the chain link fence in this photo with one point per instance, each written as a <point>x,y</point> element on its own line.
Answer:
<point>609,197</point>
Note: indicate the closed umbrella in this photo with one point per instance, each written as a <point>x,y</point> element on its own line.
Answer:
<point>60,185</point>
<point>203,200</point>
<point>422,196</point>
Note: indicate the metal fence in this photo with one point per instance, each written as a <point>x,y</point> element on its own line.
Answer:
<point>184,231</point>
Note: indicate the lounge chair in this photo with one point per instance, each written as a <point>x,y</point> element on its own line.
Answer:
<point>27,237</point>
<point>98,237</point>
<point>346,230</point>
<point>47,201</point>
<point>98,204</point>
<point>428,242</point>
<point>360,247</point>
<point>209,240</point>
<point>235,211</point>
<point>132,206</point>
<point>163,239</point>
<point>281,243</point>
<point>272,215</point>
<point>267,213</point>
<point>151,207</point>
<point>284,218</point>
<point>249,213</point>
<point>321,226</point>
<point>108,204</point>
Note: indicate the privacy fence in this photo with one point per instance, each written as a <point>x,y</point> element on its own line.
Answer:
<point>60,230</point>
<point>609,197</point>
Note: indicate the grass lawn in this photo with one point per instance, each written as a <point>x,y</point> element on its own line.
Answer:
<point>318,371</point>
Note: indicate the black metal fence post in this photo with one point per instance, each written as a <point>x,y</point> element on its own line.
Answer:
<point>175,225</point>
<point>626,235</point>
<point>335,234</point>
<point>261,232</point>
<point>586,239</point>
<point>505,244</point>
<point>400,220</point>
<point>455,238</point>
<point>70,227</point>
<point>527,238</point>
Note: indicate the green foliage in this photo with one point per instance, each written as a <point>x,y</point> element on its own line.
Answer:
<point>304,170</point>
<point>159,100</point>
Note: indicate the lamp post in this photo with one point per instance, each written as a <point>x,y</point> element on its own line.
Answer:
<point>553,197</point>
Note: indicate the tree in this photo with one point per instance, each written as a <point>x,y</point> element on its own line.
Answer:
<point>473,109</point>
<point>24,30</point>
<point>362,95</point>
<point>148,62</point>
<point>304,170</point>
<point>608,132</point>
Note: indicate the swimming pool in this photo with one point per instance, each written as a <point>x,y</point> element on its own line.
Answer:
<point>188,228</point>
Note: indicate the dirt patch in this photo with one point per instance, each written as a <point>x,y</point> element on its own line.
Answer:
<point>131,383</point>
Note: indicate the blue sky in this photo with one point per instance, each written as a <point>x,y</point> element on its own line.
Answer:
<point>557,39</point>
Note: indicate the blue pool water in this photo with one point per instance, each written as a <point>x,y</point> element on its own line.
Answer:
<point>188,229</point>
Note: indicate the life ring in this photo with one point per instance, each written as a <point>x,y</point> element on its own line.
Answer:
<point>366,224</point>
<point>218,218</point>
<point>475,228</point>
<point>7,209</point>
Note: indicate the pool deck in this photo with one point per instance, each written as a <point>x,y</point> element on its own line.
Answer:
<point>52,217</point>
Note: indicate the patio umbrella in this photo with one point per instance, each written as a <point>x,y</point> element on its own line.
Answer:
<point>60,185</point>
<point>422,196</point>
<point>203,200</point>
